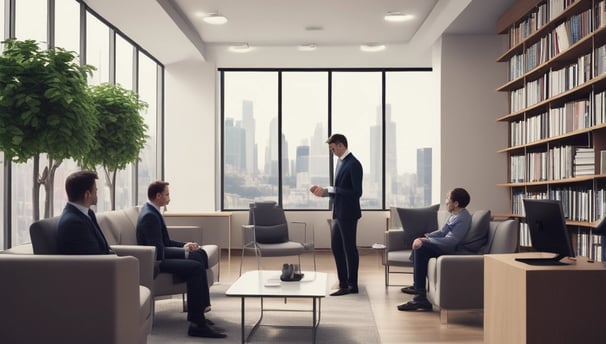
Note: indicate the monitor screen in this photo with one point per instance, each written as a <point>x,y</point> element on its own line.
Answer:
<point>547,226</point>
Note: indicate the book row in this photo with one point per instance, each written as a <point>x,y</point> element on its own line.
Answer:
<point>554,164</point>
<point>543,13</point>
<point>578,203</point>
<point>572,116</point>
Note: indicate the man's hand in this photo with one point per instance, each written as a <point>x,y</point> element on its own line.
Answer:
<point>192,246</point>
<point>317,190</point>
<point>418,243</point>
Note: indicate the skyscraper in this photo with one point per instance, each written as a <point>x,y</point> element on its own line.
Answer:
<point>424,174</point>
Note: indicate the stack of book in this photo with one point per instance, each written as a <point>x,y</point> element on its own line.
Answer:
<point>584,161</point>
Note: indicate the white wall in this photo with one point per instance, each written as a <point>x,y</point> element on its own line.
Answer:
<point>470,106</point>
<point>467,74</point>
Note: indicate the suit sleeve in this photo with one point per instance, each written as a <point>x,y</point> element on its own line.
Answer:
<point>150,228</point>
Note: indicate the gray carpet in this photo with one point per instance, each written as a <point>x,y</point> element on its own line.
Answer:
<point>344,319</point>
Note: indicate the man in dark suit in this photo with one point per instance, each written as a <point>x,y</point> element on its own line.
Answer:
<point>185,260</point>
<point>345,196</point>
<point>78,231</point>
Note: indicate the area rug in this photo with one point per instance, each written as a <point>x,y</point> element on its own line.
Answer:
<point>344,319</point>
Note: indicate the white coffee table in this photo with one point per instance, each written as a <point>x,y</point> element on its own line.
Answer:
<point>266,283</point>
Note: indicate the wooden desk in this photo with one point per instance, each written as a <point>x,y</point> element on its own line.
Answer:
<point>543,304</point>
<point>215,221</point>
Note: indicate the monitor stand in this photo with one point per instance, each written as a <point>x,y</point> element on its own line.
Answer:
<point>543,261</point>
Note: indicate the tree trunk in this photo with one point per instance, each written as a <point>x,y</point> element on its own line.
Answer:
<point>49,186</point>
<point>36,188</point>
<point>110,180</point>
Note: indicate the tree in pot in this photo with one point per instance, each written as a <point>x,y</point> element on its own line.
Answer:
<point>121,135</point>
<point>45,108</point>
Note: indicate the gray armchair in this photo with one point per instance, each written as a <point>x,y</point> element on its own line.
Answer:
<point>268,234</point>
<point>73,299</point>
<point>456,282</point>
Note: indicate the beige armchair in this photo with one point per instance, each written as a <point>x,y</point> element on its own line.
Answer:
<point>73,299</point>
<point>456,282</point>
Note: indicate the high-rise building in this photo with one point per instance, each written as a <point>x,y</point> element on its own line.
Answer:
<point>248,124</point>
<point>424,174</point>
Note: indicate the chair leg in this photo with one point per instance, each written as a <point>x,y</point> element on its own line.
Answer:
<point>184,303</point>
<point>386,275</point>
<point>443,317</point>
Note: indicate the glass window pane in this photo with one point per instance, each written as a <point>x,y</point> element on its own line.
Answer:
<point>3,195</point>
<point>31,21</point>
<point>410,159</point>
<point>124,63</point>
<point>305,129</point>
<point>67,25</point>
<point>356,113</point>
<point>97,49</point>
<point>148,86</point>
<point>251,138</point>
<point>21,201</point>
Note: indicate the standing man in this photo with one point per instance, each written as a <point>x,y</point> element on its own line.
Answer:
<point>435,244</point>
<point>78,231</point>
<point>186,260</point>
<point>345,197</point>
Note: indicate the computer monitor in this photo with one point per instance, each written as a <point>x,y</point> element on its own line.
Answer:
<point>548,231</point>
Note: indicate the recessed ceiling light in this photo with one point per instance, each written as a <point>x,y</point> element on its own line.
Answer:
<point>397,17</point>
<point>314,28</point>
<point>215,19</point>
<point>240,48</point>
<point>372,47</point>
<point>307,47</point>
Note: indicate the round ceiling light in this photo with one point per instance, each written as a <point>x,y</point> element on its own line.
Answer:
<point>372,47</point>
<point>215,19</point>
<point>397,17</point>
<point>240,48</point>
<point>308,47</point>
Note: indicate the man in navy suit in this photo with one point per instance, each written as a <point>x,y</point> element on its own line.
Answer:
<point>78,231</point>
<point>185,260</point>
<point>345,196</point>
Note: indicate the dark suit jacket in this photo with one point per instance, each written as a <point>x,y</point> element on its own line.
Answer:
<point>151,231</point>
<point>77,234</point>
<point>347,189</point>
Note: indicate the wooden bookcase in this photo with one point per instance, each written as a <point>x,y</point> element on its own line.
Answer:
<point>557,111</point>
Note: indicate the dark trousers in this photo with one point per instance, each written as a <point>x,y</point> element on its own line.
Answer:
<point>420,260</point>
<point>193,271</point>
<point>345,251</point>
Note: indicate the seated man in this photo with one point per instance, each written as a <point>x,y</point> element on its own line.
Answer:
<point>186,260</point>
<point>78,231</point>
<point>435,244</point>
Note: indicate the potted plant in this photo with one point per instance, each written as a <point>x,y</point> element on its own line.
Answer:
<point>45,108</point>
<point>122,132</point>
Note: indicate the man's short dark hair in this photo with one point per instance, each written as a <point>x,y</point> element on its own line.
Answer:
<point>78,183</point>
<point>460,195</point>
<point>155,188</point>
<point>337,138</point>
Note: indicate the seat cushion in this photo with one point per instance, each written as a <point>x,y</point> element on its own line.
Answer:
<point>478,233</point>
<point>418,221</point>
<point>289,248</point>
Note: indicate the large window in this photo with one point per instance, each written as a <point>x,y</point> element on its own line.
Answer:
<point>30,20</point>
<point>387,116</point>
<point>251,138</point>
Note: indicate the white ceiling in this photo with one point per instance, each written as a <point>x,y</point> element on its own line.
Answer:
<point>173,30</point>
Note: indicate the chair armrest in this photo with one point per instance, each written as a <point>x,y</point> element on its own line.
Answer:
<point>394,240</point>
<point>146,255</point>
<point>307,243</point>
<point>248,235</point>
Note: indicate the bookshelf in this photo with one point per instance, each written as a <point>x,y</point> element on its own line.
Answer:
<point>556,117</point>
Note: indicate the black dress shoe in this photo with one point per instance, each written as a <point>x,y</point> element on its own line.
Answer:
<point>204,330</point>
<point>416,304</point>
<point>212,325</point>
<point>409,290</point>
<point>344,291</point>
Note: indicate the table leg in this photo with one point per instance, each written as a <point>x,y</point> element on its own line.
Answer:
<point>245,338</point>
